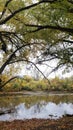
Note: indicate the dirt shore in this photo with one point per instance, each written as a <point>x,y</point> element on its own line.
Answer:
<point>65,123</point>
<point>36,93</point>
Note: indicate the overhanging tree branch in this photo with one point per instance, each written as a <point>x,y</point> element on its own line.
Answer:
<point>68,41</point>
<point>41,27</point>
<point>70,1</point>
<point>23,9</point>
<point>2,85</point>
<point>13,54</point>
<point>28,61</point>
<point>5,7</point>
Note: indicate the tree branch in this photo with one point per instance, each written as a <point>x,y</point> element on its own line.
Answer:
<point>70,1</point>
<point>1,86</point>
<point>69,41</point>
<point>28,61</point>
<point>5,7</point>
<point>24,8</point>
<point>13,54</point>
<point>41,27</point>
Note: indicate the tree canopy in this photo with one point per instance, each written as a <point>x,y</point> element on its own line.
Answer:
<point>40,29</point>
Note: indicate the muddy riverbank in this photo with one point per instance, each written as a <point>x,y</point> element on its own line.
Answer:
<point>65,123</point>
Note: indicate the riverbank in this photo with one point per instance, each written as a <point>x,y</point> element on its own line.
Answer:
<point>65,123</point>
<point>36,93</point>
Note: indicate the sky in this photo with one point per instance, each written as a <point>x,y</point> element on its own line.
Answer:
<point>27,70</point>
<point>32,71</point>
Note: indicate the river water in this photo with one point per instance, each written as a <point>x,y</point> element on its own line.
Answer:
<point>44,106</point>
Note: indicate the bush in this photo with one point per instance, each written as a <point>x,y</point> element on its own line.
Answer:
<point>26,88</point>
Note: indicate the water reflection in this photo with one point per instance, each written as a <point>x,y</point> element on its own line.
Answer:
<point>42,106</point>
<point>40,110</point>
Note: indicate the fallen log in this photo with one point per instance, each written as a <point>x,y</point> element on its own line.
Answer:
<point>7,111</point>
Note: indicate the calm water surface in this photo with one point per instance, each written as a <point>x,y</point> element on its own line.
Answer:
<point>36,106</point>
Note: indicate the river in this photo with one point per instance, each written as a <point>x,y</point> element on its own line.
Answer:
<point>36,105</point>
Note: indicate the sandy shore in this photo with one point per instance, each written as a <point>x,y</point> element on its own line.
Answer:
<point>65,123</point>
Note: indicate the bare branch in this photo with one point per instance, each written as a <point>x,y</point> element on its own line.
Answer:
<point>28,61</point>
<point>69,41</point>
<point>56,68</point>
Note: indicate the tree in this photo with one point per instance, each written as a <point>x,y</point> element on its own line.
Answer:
<point>28,28</point>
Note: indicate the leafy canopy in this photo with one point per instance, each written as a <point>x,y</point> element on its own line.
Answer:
<point>42,29</point>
